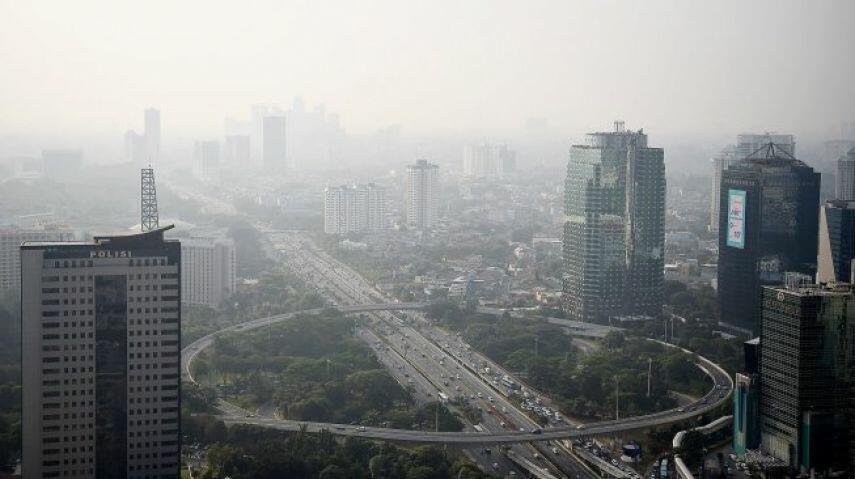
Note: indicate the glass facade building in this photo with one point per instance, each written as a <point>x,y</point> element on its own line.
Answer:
<point>836,242</point>
<point>768,225</point>
<point>614,227</point>
<point>807,377</point>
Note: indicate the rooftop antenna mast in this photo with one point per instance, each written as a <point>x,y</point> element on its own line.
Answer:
<point>148,200</point>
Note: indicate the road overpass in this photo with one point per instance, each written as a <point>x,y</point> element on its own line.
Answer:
<point>233,415</point>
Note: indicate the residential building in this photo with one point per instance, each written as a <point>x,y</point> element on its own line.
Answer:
<point>274,151</point>
<point>208,268</point>
<point>354,208</point>
<point>845,190</point>
<point>101,357</point>
<point>807,379</point>
<point>422,198</point>
<point>614,227</point>
<point>767,226</point>
<point>10,249</point>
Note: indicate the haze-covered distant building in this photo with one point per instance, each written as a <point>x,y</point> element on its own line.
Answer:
<point>614,228</point>
<point>422,200</point>
<point>349,209</point>
<point>274,151</point>
<point>846,176</point>
<point>144,149</point>
<point>768,225</point>
<point>10,249</point>
<point>208,267</point>
<point>62,163</point>
<point>238,151</point>
<point>727,157</point>
<point>488,161</point>
<point>748,143</point>
<point>207,160</point>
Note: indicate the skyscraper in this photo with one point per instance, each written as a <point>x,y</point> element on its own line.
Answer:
<point>767,226</point>
<point>723,161</point>
<point>614,227</point>
<point>807,379</point>
<point>152,135</point>
<point>101,340</point>
<point>422,199</point>
<point>836,242</point>
<point>274,151</point>
<point>846,176</point>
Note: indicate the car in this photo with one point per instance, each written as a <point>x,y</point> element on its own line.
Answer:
<point>580,427</point>
<point>537,431</point>
<point>680,409</point>
<point>361,428</point>
<point>496,466</point>
<point>555,450</point>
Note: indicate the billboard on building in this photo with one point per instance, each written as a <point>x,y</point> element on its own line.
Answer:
<point>736,218</point>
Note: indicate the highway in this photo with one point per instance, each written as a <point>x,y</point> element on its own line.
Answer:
<point>430,361</point>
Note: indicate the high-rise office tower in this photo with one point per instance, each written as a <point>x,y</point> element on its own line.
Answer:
<point>10,250</point>
<point>354,208</point>
<point>836,242</point>
<point>614,230</point>
<point>152,135</point>
<point>101,341</point>
<point>237,151</point>
<point>273,138</point>
<point>422,199</point>
<point>767,226</point>
<point>807,379</point>
<point>723,161</point>
<point>746,401</point>
<point>208,268</point>
<point>846,176</point>
<point>207,160</point>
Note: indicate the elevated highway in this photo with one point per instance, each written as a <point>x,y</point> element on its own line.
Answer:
<point>718,395</point>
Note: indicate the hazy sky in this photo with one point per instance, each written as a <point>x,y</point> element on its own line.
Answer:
<point>433,66</point>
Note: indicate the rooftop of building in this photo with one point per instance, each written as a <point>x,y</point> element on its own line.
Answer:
<point>770,154</point>
<point>813,289</point>
<point>129,240</point>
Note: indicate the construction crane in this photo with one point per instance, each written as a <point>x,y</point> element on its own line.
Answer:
<point>148,201</point>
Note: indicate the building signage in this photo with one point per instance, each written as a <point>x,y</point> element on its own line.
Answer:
<point>102,253</point>
<point>736,200</point>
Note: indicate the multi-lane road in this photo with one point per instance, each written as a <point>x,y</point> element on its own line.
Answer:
<point>438,366</point>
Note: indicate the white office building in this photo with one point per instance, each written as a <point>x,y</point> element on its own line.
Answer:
<point>422,196</point>
<point>101,359</point>
<point>355,208</point>
<point>10,250</point>
<point>208,267</point>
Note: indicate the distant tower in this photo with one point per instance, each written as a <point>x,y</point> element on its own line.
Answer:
<point>148,201</point>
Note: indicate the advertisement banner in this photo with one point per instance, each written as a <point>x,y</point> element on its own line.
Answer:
<point>736,218</point>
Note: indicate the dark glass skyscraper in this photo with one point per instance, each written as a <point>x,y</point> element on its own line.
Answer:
<point>767,226</point>
<point>614,227</point>
<point>807,377</point>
